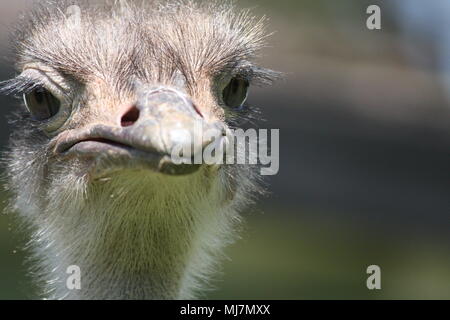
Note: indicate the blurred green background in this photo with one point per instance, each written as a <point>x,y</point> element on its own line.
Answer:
<point>364,173</point>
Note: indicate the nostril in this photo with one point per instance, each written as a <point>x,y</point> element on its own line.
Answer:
<point>130,117</point>
<point>197,110</point>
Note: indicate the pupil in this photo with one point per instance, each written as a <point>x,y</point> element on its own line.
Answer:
<point>39,96</point>
<point>235,86</point>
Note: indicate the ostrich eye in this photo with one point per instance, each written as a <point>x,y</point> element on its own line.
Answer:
<point>42,104</point>
<point>235,94</point>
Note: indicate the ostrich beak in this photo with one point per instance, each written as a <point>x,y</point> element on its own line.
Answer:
<point>162,120</point>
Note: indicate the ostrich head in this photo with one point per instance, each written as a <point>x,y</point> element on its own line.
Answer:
<point>110,88</point>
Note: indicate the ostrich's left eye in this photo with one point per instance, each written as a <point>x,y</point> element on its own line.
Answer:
<point>235,94</point>
<point>42,104</point>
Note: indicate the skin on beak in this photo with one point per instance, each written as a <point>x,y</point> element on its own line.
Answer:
<point>163,119</point>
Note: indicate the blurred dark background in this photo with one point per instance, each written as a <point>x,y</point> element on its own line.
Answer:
<point>364,172</point>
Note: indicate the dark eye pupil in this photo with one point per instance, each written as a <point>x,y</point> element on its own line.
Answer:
<point>39,95</point>
<point>42,104</point>
<point>235,86</point>
<point>235,93</point>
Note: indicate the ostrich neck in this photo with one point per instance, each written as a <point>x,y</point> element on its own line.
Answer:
<point>131,259</point>
<point>127,242</point>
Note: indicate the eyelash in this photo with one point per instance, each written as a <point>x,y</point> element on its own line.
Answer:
<point>19,86</point>
<point>256,76</point>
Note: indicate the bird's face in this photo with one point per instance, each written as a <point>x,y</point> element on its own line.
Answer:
<point>103,131</point>
<point>127,88</point>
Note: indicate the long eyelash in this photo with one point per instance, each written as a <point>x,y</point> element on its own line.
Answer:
<point>258,76</point>
<point>255,75</point>
<point>19,86</point>
<point>262,77</point>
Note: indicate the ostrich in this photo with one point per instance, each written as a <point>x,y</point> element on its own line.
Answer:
<point>108,93</point>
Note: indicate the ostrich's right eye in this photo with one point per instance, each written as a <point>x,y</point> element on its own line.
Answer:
<point>235,94</point>
<point>42,104</point>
